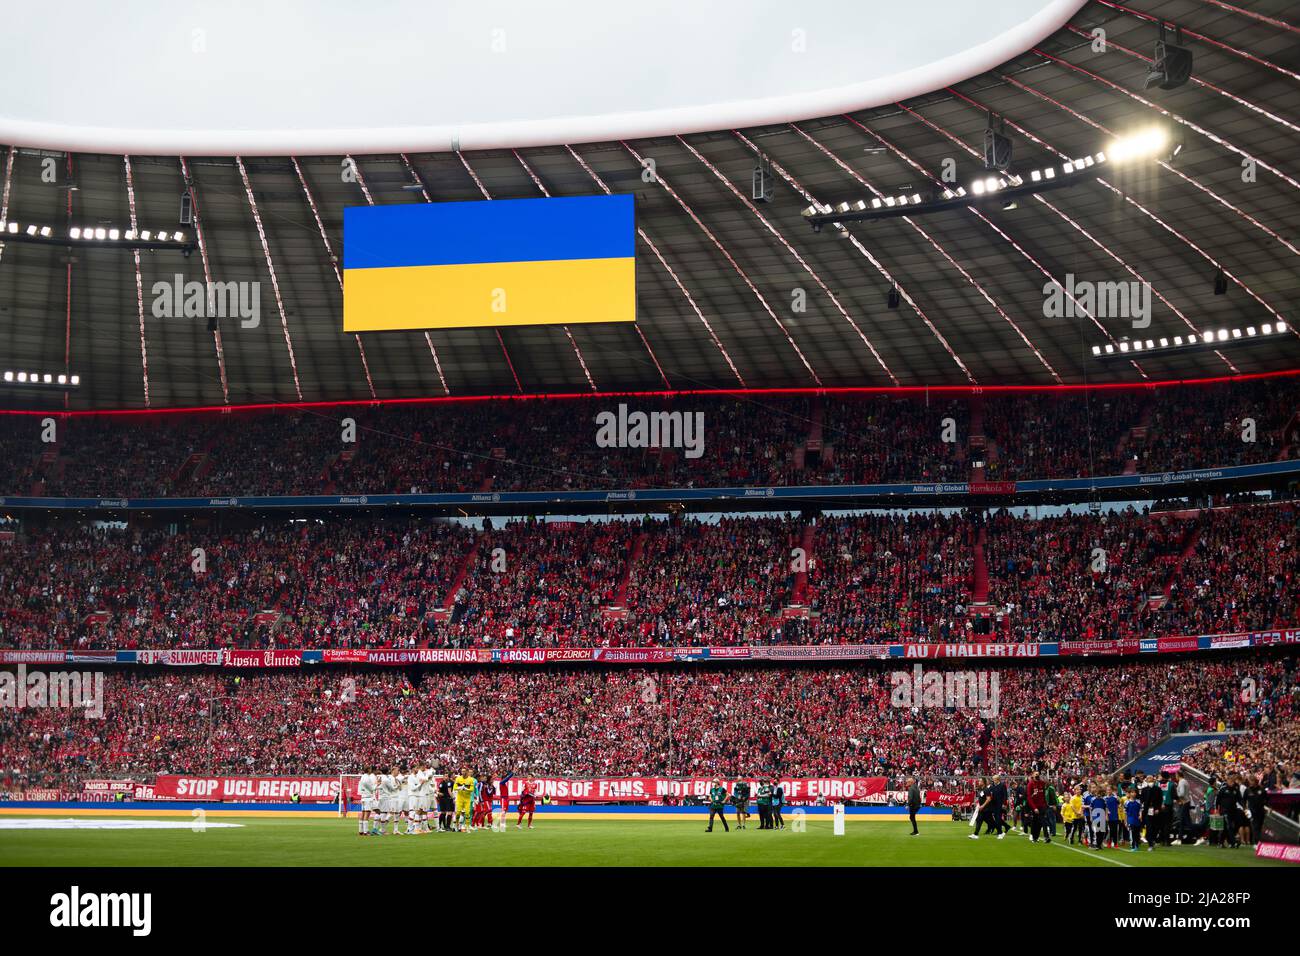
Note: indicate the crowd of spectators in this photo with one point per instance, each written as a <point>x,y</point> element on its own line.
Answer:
<point>716,584</point>
<point>882,439</point>
<point>536,583</point>
<point>1209,426</point>
<point>884,578</point>
<point>1073,435</point>
<point>342,583</point>
<point>365,581</point>
<point>1121,575</point>
<point>1077,719</point>
<point>551,444</point>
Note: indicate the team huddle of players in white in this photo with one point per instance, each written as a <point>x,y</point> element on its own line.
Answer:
<point>463,802</point>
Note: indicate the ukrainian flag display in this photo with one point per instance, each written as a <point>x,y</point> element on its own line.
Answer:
<point>491,263</point>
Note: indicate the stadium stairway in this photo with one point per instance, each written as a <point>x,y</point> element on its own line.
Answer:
<point>981,449</point>
<point>1290,443</point>
<point>443,611</point>
<point>1186,547</point>
<point>815,443</point>
<point>333,468</point>
<point>1135,433</point>
<point>799,588</point>
<point>633,556</point>
<point>979,591</point>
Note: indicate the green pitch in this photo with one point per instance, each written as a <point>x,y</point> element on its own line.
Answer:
<point>560,842</point>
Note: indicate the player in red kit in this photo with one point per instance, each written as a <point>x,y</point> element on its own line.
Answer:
<point>527,804</point>
<point>483,809</point>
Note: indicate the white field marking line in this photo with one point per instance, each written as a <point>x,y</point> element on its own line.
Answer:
<point>99,823</point>
<point>1093,856</point>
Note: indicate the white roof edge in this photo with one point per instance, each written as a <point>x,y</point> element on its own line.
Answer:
<point>549,131</point>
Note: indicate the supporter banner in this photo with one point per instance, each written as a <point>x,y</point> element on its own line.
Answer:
<point>275,658</point>
<point>819,652</point>
<point>638,655</point>
<point>1098,647</point>
<point>1224,641</point>
<point>544,789</point>
<point>39,794</point>
<point>347,655</point>
<point>1164,481</point>
<point>1288,636</point>
<point>181,658</point>
<point>246,789</point>
<point>936,651</point>
<point>939,798</point>
<point>992,487</point>
<point>91,657</point>
<point>33,657</point>
<point>407,656</point>
<point>428,655</point>
<point>106,791</point>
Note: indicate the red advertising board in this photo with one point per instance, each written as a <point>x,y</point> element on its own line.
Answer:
<point>555,789</point>
<point>1278,851</point>
<point>246,789</point>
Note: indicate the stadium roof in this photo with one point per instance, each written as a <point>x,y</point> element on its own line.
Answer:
<point>720,276</point>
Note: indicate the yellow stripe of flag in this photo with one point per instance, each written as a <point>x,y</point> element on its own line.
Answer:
<point>490,294</point>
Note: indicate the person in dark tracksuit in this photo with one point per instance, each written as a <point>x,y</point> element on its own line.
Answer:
<point>718,806</point>
<point>913,802</point>
<point>1153,799</point>
<point>980,811</point>
<point>778,801</point>
<point>998,806</point>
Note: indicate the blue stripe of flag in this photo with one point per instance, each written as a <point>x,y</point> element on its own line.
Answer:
<point>500,230</point>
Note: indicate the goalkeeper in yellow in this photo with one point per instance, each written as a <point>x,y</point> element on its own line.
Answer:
<point>463,788</point>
